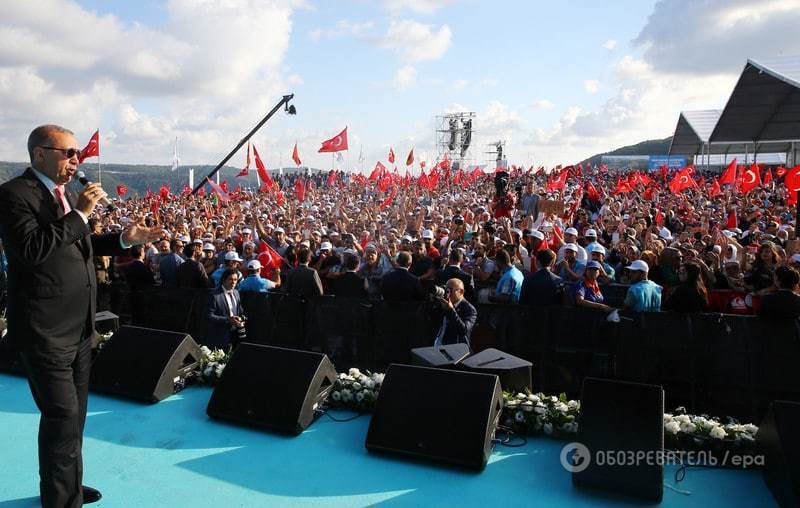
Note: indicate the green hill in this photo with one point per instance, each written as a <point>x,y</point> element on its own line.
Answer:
<point>649,147</point>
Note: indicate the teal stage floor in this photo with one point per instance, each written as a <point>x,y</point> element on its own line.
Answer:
<point>171,455</point>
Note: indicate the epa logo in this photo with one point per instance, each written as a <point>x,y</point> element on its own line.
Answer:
<point>575,457</point>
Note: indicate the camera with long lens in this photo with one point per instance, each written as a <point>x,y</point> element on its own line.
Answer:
<point>240,332</point>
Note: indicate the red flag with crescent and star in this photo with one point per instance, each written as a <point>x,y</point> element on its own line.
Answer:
<point>122,190</point>
<point>246,169</point>
<point>266,181</point>
<point>336,143</point>
<point>296,155</point>
<point>391,155</point>
<point>92,148</point>
<point>729,176</point>
<point>751,179</point>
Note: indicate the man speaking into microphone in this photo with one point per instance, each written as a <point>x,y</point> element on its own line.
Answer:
<point>51,299</point>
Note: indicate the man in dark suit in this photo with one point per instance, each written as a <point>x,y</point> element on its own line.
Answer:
<point>784,303</point>
<point>51,299</point>
<point>453,271</point>
<point>350,284</point>
<point>225,313</point>
<point>543,287</point>
<point>191,273</point>
<point>400,284</point>
<point>459,316</point>
<point>303,281</point>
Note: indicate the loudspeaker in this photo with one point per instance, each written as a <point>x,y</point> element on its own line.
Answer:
<point>514,373</point>
<point>436,414</point>
<point>144,363</point>
<point>620,421</point>
<point>106,321</point>
<point>273,387</point>
<point>779,443</point>
<point>442,356</point>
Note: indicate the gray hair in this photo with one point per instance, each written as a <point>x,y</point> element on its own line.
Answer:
<point>43,136</point>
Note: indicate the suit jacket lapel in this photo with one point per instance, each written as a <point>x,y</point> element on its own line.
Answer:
<point>83,244</point>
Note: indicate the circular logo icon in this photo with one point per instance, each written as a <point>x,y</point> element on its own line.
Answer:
<point>575,457</point>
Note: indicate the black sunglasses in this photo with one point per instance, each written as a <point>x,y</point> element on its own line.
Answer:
<point>69,152</point>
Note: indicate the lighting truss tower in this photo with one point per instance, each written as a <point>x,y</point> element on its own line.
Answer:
<point>454,134</point>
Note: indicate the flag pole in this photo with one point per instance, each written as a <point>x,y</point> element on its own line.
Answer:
<point>99,171</point>
<point>284,101</point>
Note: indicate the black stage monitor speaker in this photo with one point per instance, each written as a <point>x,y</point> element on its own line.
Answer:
<point>779,444</point>
<point>442,356</point>
<point>144,363</point>
<point>106,321</point>
<point>273,387</point>
<point>436,414</point>
<point>514,373</point>
<point>620,420</point>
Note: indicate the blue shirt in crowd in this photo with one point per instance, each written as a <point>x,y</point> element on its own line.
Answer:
<point>256,284</point>
<point>644,296</point>
<point>510,283</point>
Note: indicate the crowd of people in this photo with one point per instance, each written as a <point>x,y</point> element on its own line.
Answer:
<point>355,237</point>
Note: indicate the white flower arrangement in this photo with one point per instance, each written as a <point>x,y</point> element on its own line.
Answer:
<point>681,430</point>
<point>211,365</point>
<point>103,339</point>
<point>531,413</point>
<point>356,390</point>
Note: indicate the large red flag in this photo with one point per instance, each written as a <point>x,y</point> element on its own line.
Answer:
<point>715,189</point>
<point>767,177</point>
<point>682,180</point>
<point>246,169</point>
<point>300,190</point>
<point>751,179</point>
<point>410,158</point>
<point>729,176</point>
<point>388,201</point>
<point>164,192</point>
<point>391,155</point>
<point>379,170</point>
<point>269,258</point>
<point>266,181</point>
<point>296,155</point>
<point>592,193</point>
<point>92,148</point>
<point>122,190</point>
<point>792,182</point>
<point>336,143</point>
<point>732,222</point>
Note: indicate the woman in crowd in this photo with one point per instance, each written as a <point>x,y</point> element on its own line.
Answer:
<point>761,273</point>
<point>691,294</point>
<point>587,290</point>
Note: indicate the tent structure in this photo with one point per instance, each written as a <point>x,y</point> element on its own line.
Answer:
<point>693,131</point>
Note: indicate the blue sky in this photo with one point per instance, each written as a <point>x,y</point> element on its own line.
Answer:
<point>558,81</point>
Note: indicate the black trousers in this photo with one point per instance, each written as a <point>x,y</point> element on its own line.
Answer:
<point>59,381</point>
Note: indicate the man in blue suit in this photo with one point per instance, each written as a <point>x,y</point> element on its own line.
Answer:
<point>225,313</point>
<point>459,316</point>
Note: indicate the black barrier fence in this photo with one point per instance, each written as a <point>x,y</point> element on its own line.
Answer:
<point>717,363</point>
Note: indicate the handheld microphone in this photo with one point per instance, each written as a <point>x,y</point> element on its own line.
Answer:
<point>103,201</point>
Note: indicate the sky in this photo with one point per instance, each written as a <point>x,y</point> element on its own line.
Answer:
<point>556,81</point>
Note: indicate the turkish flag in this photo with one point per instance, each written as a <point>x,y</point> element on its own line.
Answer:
<point>331,178</point>
<point>732,222</point>
<point>767,177</point>
<point>164,192</point>
<point>682,180</point>
<point>751,179</point>
<point>336,143</point>
<point>384,182</point>
<point>659,217</point>
<point>224,186</point>
<point>379,170</point>
<point>300,190</point>
<point>266,181</point>
<point>391,156</point>
<point>623,187</point>
<point>592,193</point>
<point>715,189</point>
<point>122,190</point>
<point>92,148</point>
<point>246,169</point>
<point>186,190</point>
<point>388,201</point>
<point>296,156</point>
<point>780,171</point>
<point>279,200</point>
<point>269,258</point>
<point>792,181</point>
<point>729,176</point>
<point>410,158</point>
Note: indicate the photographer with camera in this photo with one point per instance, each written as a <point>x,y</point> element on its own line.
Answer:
<point>459,316</point>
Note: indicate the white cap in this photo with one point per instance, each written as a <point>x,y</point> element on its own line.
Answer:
<point>571,246</point>
<point>639,266</point>
<point>184,239</point>
<point>254,265</point>
<point>232,256</point>
<point>537,234</point>
<point>279,230</point>
<point>325,246</point>
<point>209,246</point>
<point>596,247</point>
<point>571,231</point>
<point>665,234</point>
<point>591,232</point>
<point>427,233</point>
<point>247,231</point>
<point>407,238</point>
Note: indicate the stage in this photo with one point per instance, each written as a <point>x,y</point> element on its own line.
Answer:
<point>172,455</point>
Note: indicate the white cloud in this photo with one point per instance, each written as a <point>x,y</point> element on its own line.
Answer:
<point>418,6</point>
<point>415,42</point>
<point>404,78</point>
<point>343,27</point>
<point>591,85</point>
<point>543,104</point>
<point>610,44</point>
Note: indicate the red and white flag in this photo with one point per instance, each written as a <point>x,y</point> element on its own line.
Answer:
<point>92,148</point>
<point>336,143</point>
<point>391,156</point>
<point>296,156</point>
<point>223,196</point>
<point>266,181</point>
<point>246,169</point>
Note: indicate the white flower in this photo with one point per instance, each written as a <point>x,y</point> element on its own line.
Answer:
<point>672,427</point>
<point>561,407</point>
<point>718,433</point>
<point>521,396</point>
<point>553,399</point>
<point>750,428</point>
<point>362,379</point>
<point>748,437</point>
<point>205,351</point>
<point>347,395</point>
<point>683,419</point>
<point>378,378</point>
<point>687,427</point>
<point>539,410</point>
<point>360,396</point>
<point>519,416</point>
<point>356,386</point>
<point>533,398</point>
<point>369,384</point>
<point>548,428</point>
<point>667,417</point>
<point>354,372</point>
<point>512,403</point>
<point>573,405</point>
<point>342,376</point>
<point>336,396</point>
<point>527,406</point>
<point>220,368</point>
